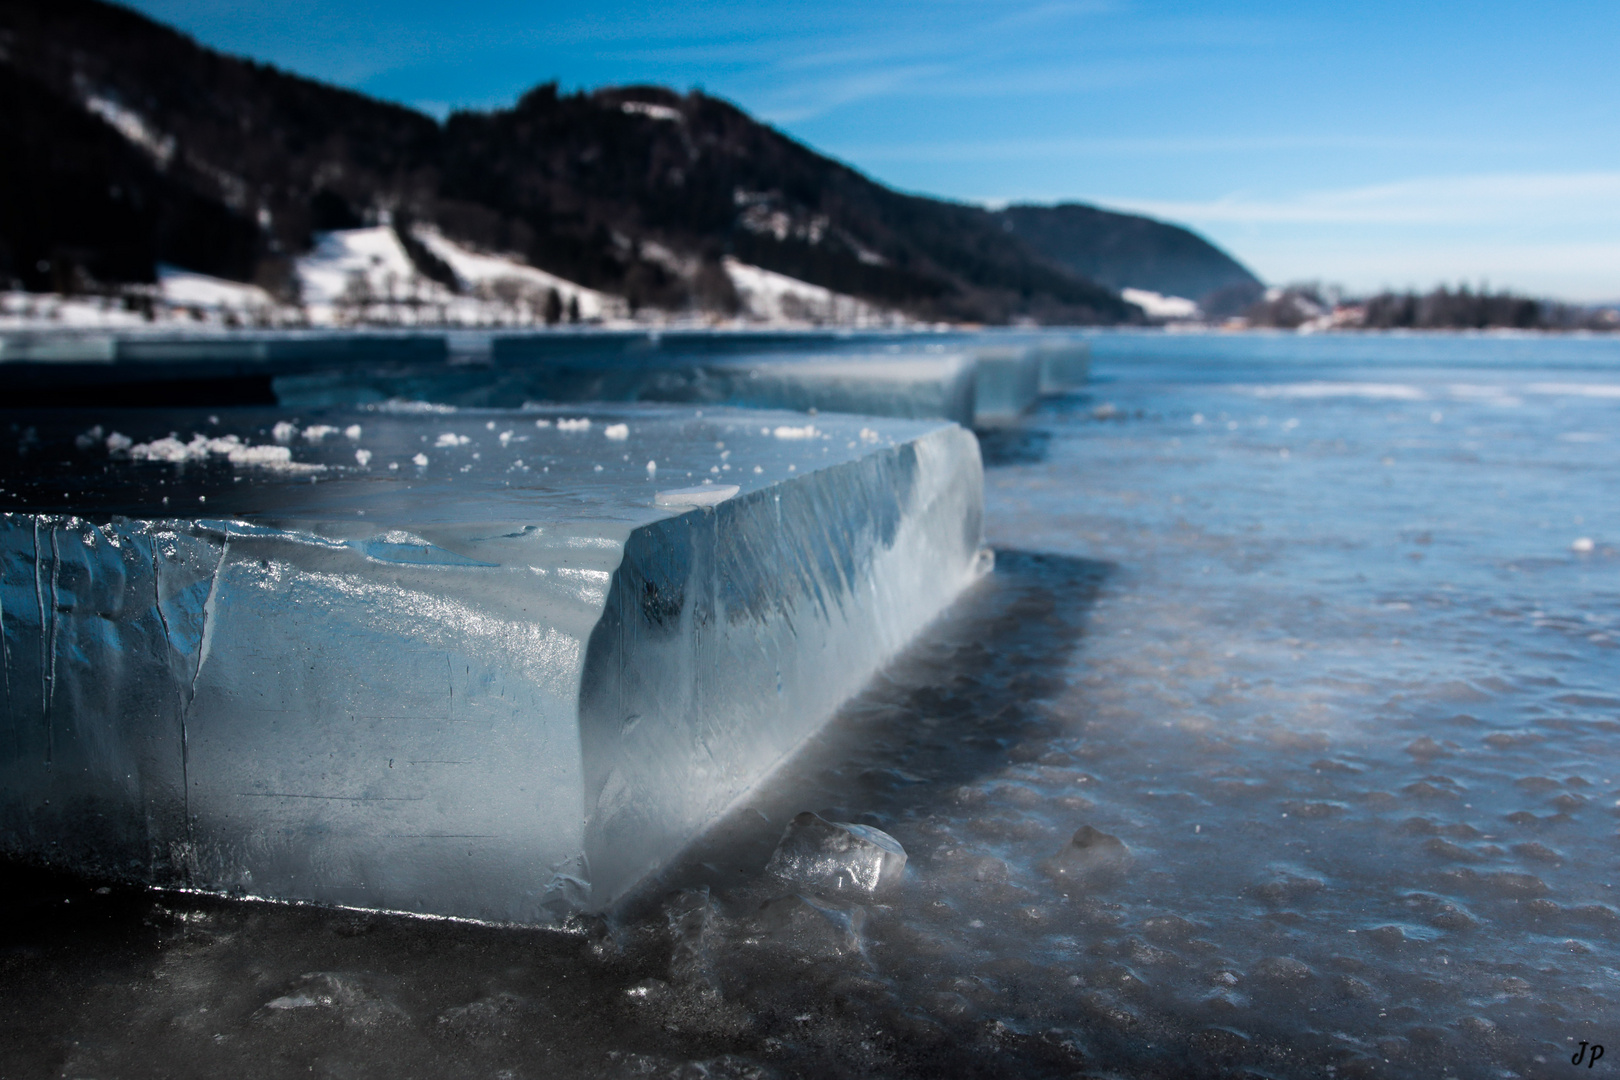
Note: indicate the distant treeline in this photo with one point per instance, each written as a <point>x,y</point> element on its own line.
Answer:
<point>1464,309</point>
<point>1442,308</point>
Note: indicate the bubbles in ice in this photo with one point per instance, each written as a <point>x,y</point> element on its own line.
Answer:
<point>363,457</point>
<point>1091,856</point>
<point>542,423</point>
<point>837,857</point>
<point>617,432</point>
<point>652,468</point>
<point>450,438</point>
<point>352,432</point>
<point>1583,545</point>
<point>420,460</point>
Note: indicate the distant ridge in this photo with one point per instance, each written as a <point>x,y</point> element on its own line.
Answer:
<point>128,145</point>
<point>1124,251</point>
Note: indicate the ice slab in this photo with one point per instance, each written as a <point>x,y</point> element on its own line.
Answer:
<point>1008,384</point>
<point>913,385</point>
<point>466,663</point>
<point>1065,366</point>
<point>198,368</point>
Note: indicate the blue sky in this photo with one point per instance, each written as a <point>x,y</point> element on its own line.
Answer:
<point>1367,144</point>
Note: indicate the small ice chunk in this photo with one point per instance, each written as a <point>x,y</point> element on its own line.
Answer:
<point>420,459</point>
<point>363,457</point>
<point>617,432</point>
<point>118,442</point>
<point>284,431</point>
<point>316,432</point>
<point>1583,545</point>
<point>758,469</point>
<point>352,432</point>
<point>450,438</point>
<point>868,435</point>
<point>652,468</point>
<point>787,431</point>
<point>710,495</point>
<point>89,438</point>
<point>583,423</point>
<point>1091,856</point>
<point>837,857</point>
<point>542,423</point>
<point>506,438</point>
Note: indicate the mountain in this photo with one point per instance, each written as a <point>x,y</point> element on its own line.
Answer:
<point>129,145</point>
<point>1123,251</point>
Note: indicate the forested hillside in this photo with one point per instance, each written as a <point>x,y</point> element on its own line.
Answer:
<point>129,145</point>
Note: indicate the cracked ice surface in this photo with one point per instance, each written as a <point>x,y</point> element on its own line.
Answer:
<point>474,663</point>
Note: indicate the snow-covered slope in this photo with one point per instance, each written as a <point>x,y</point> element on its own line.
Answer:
<point>775,298</point>
<point>188,289</point>
<point>1159,306</point>
<point>502,278</point>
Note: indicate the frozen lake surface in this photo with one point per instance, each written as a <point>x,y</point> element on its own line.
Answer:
<point>1323,630</point>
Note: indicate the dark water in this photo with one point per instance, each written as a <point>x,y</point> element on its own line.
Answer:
<point>1323,630</point>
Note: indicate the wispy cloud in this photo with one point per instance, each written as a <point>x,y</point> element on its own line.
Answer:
<point>1502,199</point>
<point>1061,147</point>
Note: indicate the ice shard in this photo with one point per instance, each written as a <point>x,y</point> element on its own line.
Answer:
<point>467,663</point>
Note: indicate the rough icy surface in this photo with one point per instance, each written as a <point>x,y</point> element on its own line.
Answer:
<point>481,664</point>
<point>837,857</point>
<point>1351,710</point>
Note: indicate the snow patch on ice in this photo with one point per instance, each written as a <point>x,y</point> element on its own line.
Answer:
<point>786,431</point>
<point>1323,389</point>
<point>708,495</point>
<point>231,447</point>
<point>776,298</point>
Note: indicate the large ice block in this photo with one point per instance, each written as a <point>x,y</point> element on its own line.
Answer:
<point>488,664</point>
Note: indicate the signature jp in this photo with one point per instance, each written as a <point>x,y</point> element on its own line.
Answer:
<point>1590,1057</point>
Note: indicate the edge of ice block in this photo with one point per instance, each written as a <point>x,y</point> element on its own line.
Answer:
<point>872,547</point>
